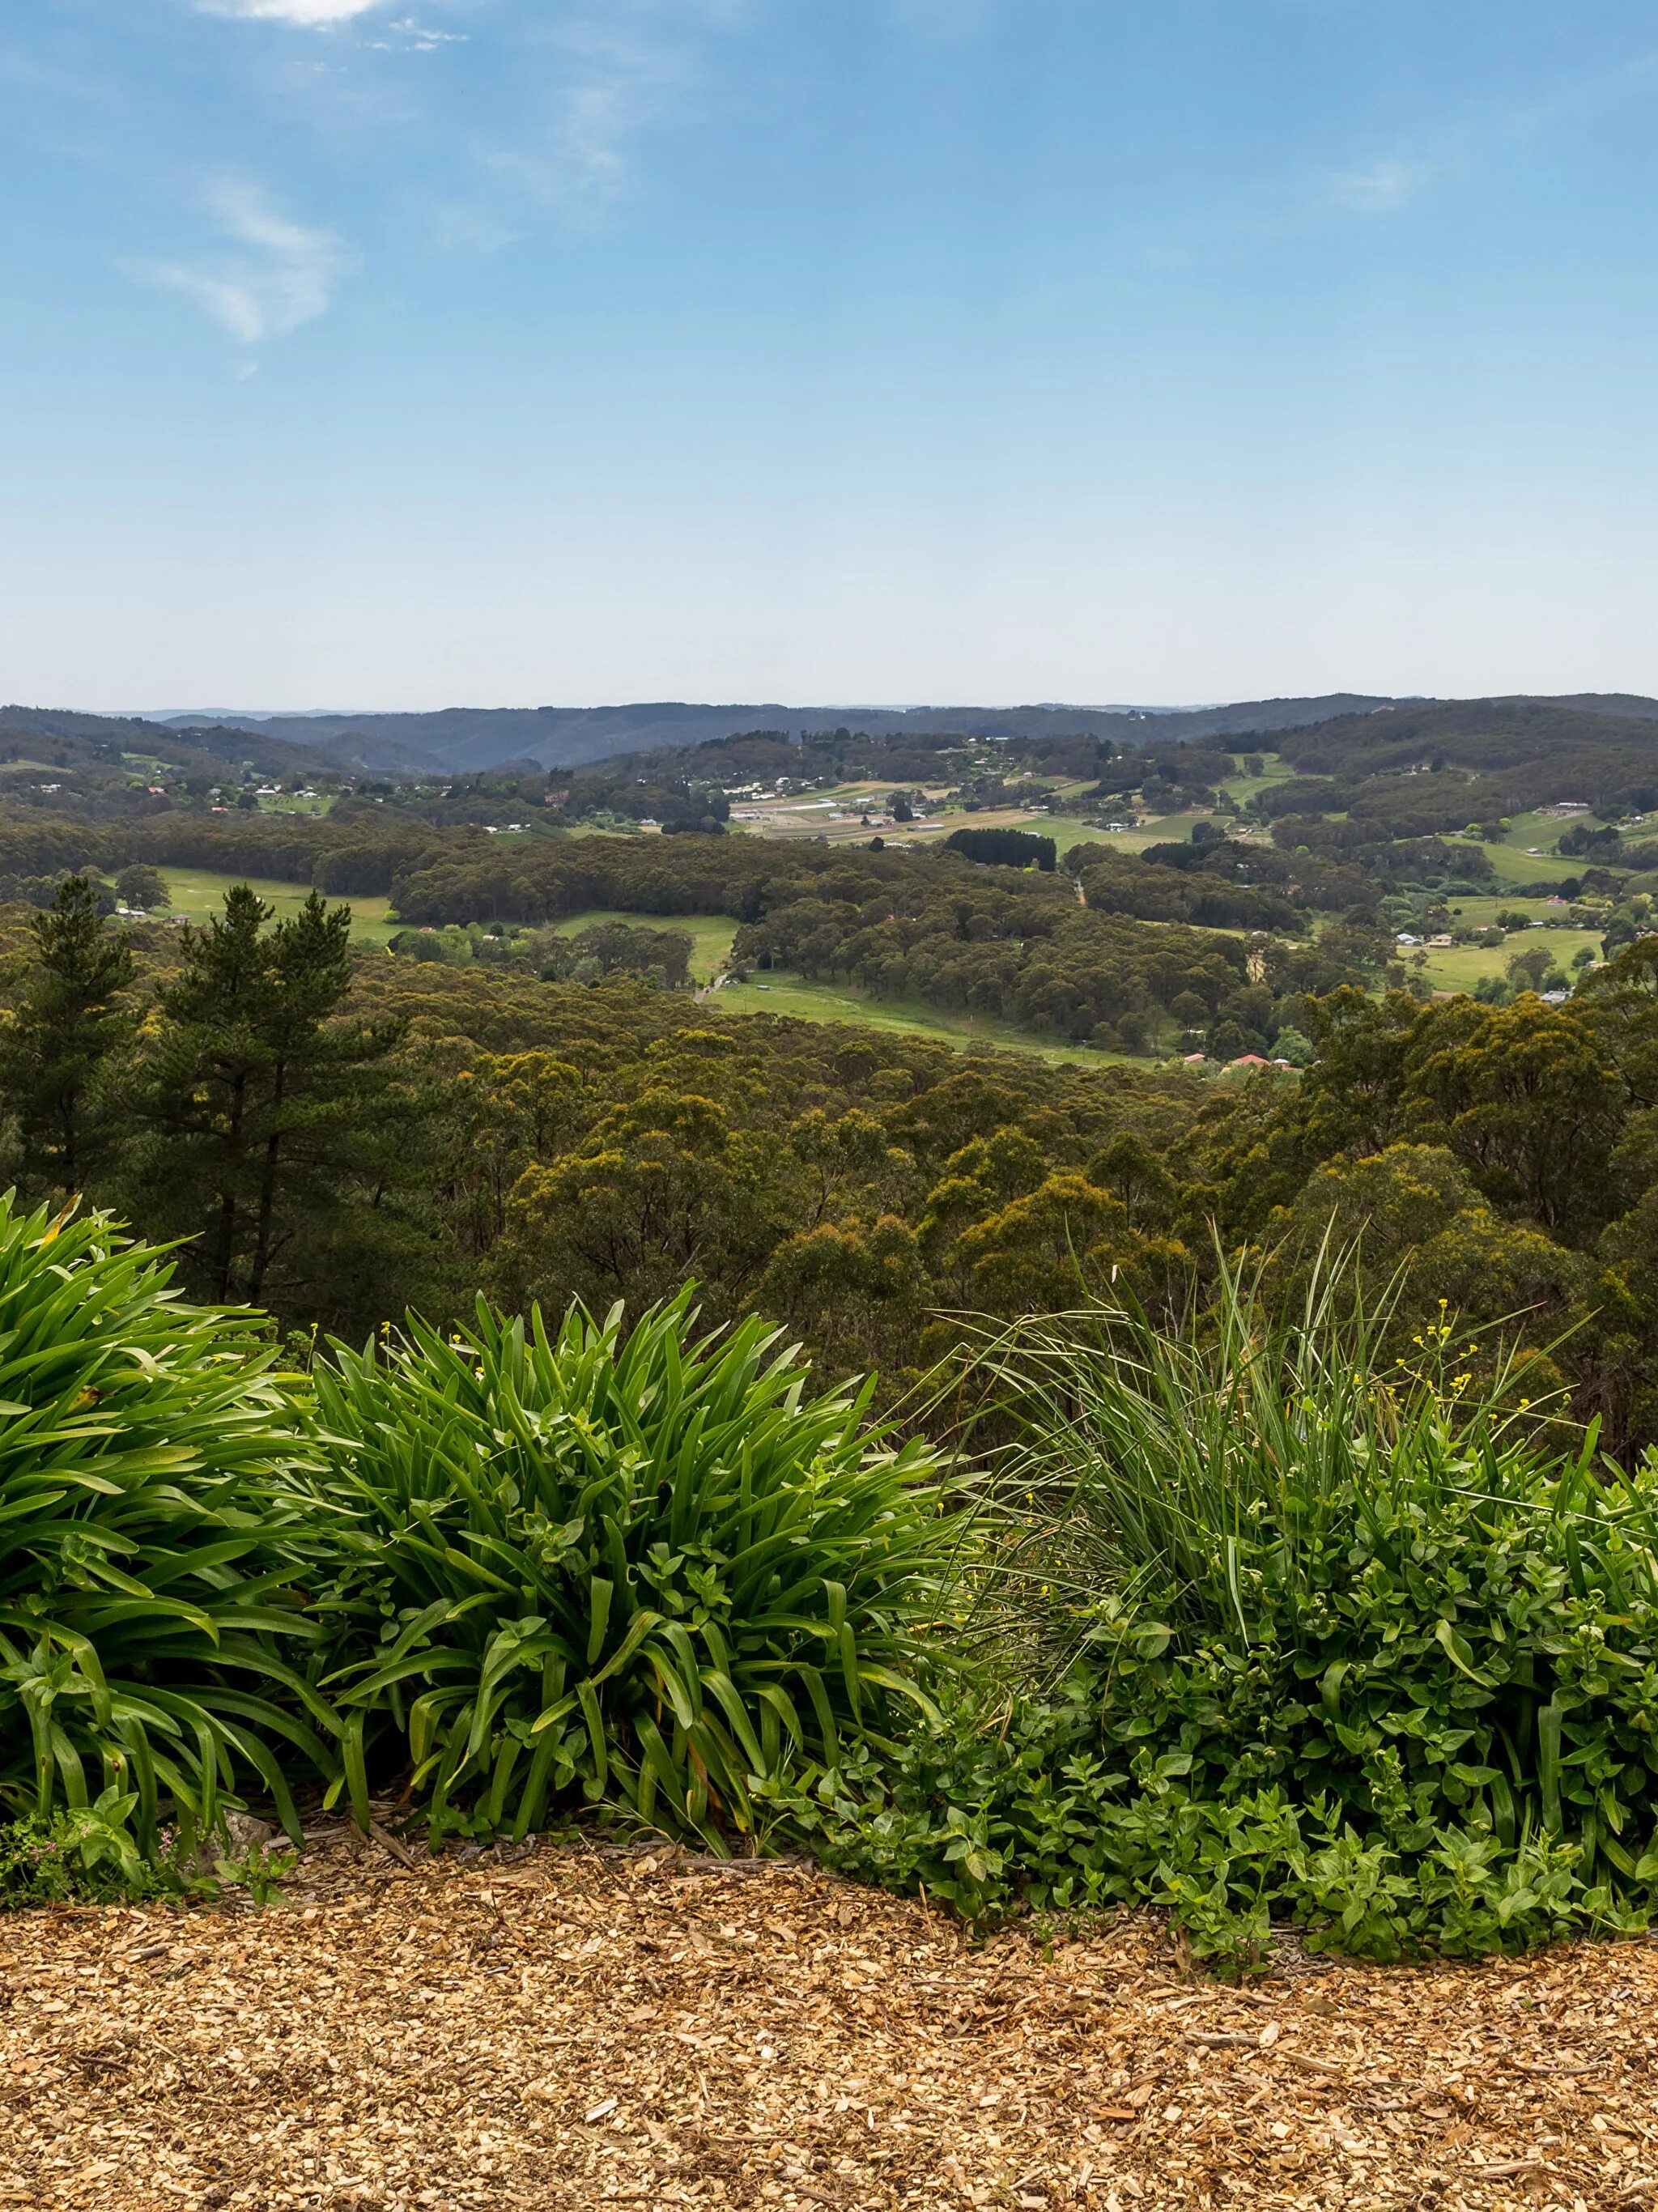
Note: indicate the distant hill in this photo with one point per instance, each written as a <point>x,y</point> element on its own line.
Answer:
<point>270,750</point>
<point>1363,729</point>
<point>1629,705</point>
<point>1481,735</point>
<point>469,738</point>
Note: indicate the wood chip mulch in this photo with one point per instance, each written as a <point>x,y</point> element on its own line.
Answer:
<point>578,2030</point>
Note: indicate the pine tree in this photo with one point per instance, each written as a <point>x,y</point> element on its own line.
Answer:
<point>58,1051</point>
<point>278,1129</point>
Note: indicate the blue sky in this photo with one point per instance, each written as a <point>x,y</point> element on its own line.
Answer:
<point>504,351</point>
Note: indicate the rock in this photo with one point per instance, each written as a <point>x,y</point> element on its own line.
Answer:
<point>243,1833</point>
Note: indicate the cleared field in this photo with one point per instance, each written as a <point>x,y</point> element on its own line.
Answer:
<point>198,893</point>
<point>1461,967</point>
<point>1482,913</point>
<point>1513,867</point>
<point>1239,789</point>
<point>291,802</point>
<point>845,828</point>
<point>782,993</point>
<point>1065,833</point>
<point>1514,864</point>
<point>712,933</point>
<point>1164,830</point>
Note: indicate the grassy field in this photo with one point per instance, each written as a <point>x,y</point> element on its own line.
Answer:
<point>834,816</point>
<point>712,933</point>
<point>1239,789</point>
<point>1482,913</point>
<point>149,765</point>
<point>198,893</point>
<point>1514,864</point>
<point>1164,830</point>
<point>1460,967</point>
<point>1515,860</point>
<point>781,993</point>
<point>291,802</point>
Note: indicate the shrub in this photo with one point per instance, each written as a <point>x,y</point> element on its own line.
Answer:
<point>86,1854</point>
<point>142,1576</point>
<point>1324,1643</point>
<point>993,1810</point>
<point>650,1567</point>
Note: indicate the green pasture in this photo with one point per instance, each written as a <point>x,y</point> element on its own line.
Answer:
<point>1482,913</point>
<point>1064,831</point>
<point>1515,866</point>
<point>1460,967</point>
<point>1164,830</point>
<point>1240,789</point>
<point>291,802</point>
<point>782,993</point>
<point>198,893</point>
<point>1516,863</point>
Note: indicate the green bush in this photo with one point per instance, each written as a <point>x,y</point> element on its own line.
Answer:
<point>1328,1645</point>
<point>86,1854</point>
<point>145,1594</point>
<point>638,1563</point>
<point>1042,1810</point>
<point>1262,1630</point>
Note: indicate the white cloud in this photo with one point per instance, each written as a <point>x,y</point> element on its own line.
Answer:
<point>277,273</point>
<point>408,36</point>
<point>310,14</point>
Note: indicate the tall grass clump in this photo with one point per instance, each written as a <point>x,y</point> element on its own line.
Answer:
<point>644,1564</point>
<point>1305,1631</point>
<point>147,1611</point>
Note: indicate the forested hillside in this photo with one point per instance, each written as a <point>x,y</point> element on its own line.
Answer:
<point>461,739</point>
<point>340,1134</point>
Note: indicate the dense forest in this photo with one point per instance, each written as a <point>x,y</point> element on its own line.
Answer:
<point>339,1134</point>
<point>500,1095</point>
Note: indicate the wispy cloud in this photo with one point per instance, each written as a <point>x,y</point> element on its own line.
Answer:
<point>308,14</point>
<point>274,273</point>
<point>1380,187</point>
<point>408,36</point>
<point>615,70</point>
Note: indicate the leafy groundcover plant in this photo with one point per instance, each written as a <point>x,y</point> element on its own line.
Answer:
<point>1303,1641</point>
<point>147,1610</point>
<point>638,1563</point>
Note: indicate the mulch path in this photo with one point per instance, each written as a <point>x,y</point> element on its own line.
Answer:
<point>581,2029</point>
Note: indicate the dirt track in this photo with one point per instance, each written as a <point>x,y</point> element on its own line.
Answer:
<point>576,2030</point>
